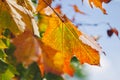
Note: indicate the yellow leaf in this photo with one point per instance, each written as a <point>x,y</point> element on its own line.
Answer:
<point>16,18</point>
<point>6,20</point>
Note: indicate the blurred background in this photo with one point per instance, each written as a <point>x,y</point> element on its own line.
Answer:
<point>94,23</point>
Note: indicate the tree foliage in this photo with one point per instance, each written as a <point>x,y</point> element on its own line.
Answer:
<point>42,43</point>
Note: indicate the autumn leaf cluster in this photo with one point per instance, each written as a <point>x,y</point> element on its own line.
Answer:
<point>42,40</point>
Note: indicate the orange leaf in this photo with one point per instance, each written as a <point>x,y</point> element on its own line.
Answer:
<point>49,62</point>
<point>41,66</point>
<point>43,4</point>
<point>67,67</point>
<point>78,10</point>
<point>62,41</point>
<point>64,37</point>
<point>115,31</point>
<point>98,3</point>
<point>111,31</point>
<point>27,48</point>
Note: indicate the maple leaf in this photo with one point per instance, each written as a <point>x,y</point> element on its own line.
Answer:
<point>43,4</point>
<point>98,3</point>
<point>64,37</point>
<point>16,18</point>
<point>27,48</point>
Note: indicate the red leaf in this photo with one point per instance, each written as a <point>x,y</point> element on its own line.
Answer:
<point>111,31</point>
<point>115,31</point>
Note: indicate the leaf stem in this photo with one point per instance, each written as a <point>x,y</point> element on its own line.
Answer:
<point>54,11</point>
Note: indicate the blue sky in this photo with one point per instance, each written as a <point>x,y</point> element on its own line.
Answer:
<point>110,64</point>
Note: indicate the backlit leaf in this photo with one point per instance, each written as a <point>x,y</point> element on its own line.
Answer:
<point>64,37</point>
